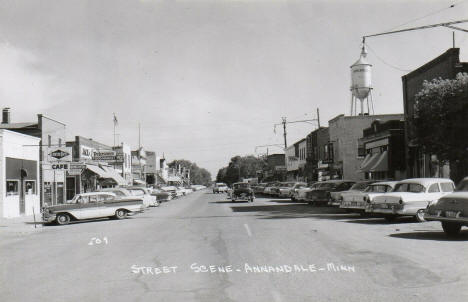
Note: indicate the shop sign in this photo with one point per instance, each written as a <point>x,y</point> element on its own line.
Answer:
<point>62,167</point>
<point>76,169</point>
<point>86,152</point>
<point>74,172</point>
<point>59,154</point>
<point>108,156</point>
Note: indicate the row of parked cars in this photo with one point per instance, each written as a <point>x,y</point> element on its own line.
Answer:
<point>435,199</point>
<point>114,203</point>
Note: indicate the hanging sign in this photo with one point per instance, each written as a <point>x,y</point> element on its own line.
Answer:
<point>62,154</point>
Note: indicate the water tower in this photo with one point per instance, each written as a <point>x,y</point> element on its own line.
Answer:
<point>361,86</point>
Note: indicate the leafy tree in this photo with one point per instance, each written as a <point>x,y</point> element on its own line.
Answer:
<point>441,113</point>
<point>240,167</point>
<point>198,176</point>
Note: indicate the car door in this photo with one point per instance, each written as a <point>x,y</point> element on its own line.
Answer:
<point>92,209</point>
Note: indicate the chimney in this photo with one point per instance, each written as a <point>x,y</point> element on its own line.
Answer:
<point>6,115</point>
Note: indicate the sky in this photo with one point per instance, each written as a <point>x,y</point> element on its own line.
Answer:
<point>207,80</point>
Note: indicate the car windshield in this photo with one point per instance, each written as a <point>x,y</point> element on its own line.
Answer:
<point>288,185</point>
<point>360,186</point>
<point>328,186</point>
<point>378,188</point>
<point>409,187</point>
<point>463,186</point>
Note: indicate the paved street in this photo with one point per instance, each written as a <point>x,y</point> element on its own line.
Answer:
<point>271,250</point>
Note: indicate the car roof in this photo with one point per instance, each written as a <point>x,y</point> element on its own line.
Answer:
<point>425,181</point>
<point>388,183</point>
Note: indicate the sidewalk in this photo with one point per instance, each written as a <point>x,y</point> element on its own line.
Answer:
<point>20,225</point>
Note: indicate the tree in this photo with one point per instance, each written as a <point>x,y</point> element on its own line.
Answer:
<point>441,113</point>
<point>240,167</point>
<point>198,176</point>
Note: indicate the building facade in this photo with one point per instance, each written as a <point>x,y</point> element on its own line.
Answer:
<point>345,132</point>
<point>445,66</point>
<point>19,174</point>
<point>383,150</point>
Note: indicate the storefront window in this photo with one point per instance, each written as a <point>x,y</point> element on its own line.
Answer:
<point>12,187</point>
<point>30,186</point>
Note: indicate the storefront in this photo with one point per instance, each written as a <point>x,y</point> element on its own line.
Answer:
<point>19,174</point>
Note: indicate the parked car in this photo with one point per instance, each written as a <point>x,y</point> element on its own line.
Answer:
<point>220,187</point>
<point>270,188</point>
<point>161,195</point>
<point>142,192</point>
<point>336,197</point>
<point>322,195</point>
<point>300,194</point>
<point>411,197</point>
<point>184,190</point>
<point>171,190</point>
<point>358,200</point>
<point>259,188</point>
<point>451,210</point>
<point>297,186</point>
<point>242,191</point>
<point>92,205</point>
<point>284,189</point>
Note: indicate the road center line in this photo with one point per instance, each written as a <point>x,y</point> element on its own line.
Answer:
<point>248,229</point>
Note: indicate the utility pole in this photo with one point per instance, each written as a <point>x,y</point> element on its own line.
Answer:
<point>284,122</point>
<point>284,132</point>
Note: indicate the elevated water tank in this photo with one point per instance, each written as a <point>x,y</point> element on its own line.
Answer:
<point>361,73</point>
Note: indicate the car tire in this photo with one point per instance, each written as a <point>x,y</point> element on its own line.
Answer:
<point>233,200</point>
<point>293,199</point>
<point>120,214</point>
<point>420,216</point>
<point>390,218</point>
<point>62,219</point>
<point>451,228</point>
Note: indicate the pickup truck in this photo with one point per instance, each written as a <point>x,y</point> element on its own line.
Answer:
<point>92,205</point>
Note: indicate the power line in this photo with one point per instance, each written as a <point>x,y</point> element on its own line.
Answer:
<point>383,61</point>
<point>428,15</point>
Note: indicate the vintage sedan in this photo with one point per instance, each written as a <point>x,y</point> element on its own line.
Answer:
<point>411,197</point>
<point>92,205</point>
<point>161,195</point>
<point>285,188</point>
<point>300,194</point>
<point>144,193</point>
<point>242,191</point>
<point>220,187</point>
<point>270,188</point>
<point>451,210</point>
<point>336,197</point>
<point>357,201</point>
<point>322,195</point>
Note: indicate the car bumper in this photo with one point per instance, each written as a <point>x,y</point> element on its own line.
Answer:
<point>49,218</point>
<point>334,203</point>
<point>463,220</point>
<point>393,211</point>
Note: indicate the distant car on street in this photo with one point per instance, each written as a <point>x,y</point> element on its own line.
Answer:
<point>220,187</point>
<point>271,188</point>
<point>410,197</point>
<point>242,191</point>
<point>451,210</point>
<point>284,189</point>
<point>161,195</point>
<point>300,194</point>
<point>92,205</point>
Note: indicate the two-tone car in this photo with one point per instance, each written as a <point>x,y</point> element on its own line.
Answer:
<point>336,197</point>
<point>356,201</point>
<point>322,195</point>
<point>145,194</point>
<point>451,210</point>
<point>90,206</point>
<point>270,188</point>
<point>410,197</point>
<point>161,195</point>
<point>284,189</point>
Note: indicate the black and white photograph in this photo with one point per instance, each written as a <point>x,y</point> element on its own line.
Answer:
<point>234,150</point>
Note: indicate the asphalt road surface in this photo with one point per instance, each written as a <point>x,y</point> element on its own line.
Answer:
<point>269,250</point>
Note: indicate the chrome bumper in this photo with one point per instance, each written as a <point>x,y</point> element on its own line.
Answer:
<point>463,220</point>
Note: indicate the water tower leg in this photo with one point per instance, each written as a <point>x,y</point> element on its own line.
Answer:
<point>362,107</point>
<point>352,101</point>
<point>368,109</point>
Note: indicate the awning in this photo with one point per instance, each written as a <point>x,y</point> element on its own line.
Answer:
<point>366,159</point>
<point>96,170</point>
<point>381,164</point>
<point>112,173</point>
<point>370,163</point>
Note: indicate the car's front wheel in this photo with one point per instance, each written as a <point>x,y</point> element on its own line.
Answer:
<point>451,228</point>
<point>63,219</point>
<point>420,216</point>
<point>120,214</point>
